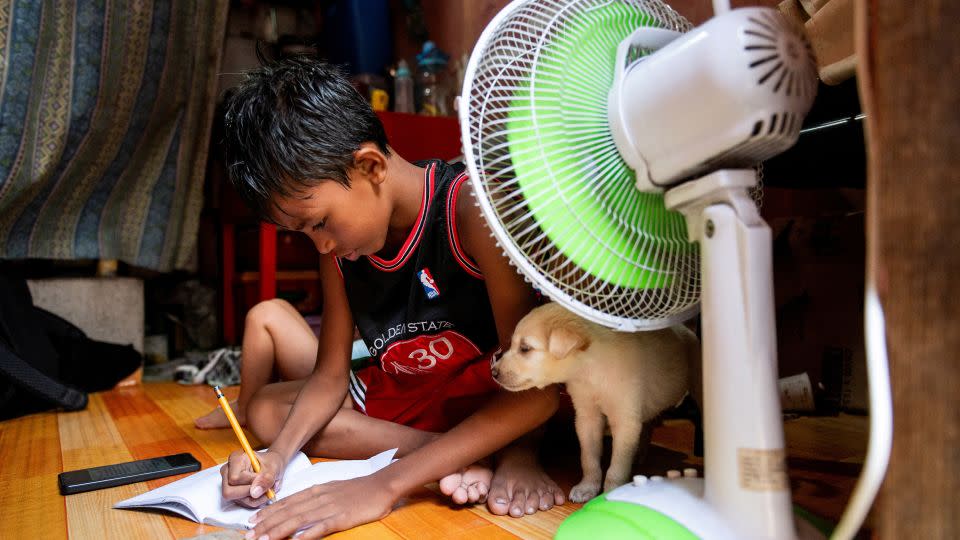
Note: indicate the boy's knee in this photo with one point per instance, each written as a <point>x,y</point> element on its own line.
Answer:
<point>262,419</point>
<point>262,313</point>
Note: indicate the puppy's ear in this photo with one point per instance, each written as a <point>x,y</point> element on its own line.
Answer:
<point>563,340</point>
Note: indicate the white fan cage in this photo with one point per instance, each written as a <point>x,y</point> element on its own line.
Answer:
<point>507,61</point>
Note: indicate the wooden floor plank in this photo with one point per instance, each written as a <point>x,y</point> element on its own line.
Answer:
<point>824,458</point>
<point>424,514</point>
<point>157,419</point>
<point>837,438</point>
<point>148,431</point>
<point>90,438</point>
<point>184,403</point>
<point>30,498</point>
<point>540,525</point>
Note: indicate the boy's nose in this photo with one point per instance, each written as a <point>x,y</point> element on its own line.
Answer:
<point>323,245</point>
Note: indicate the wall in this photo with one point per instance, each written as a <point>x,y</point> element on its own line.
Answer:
<point>455,25</point>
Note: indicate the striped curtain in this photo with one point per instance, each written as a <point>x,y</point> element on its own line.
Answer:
<point>105,114</point>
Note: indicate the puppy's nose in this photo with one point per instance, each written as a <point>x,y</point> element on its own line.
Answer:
<point>494,362</point>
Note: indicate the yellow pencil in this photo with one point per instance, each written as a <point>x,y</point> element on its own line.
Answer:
<point>254,462</point>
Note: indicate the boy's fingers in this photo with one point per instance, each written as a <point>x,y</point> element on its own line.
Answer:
<point>235,482</point>
<point>261,484</point>
<point>283,520</point>
<point>237,478</point>
<point>238,468</point>
<point>250,502</point>
<point>232,492</point>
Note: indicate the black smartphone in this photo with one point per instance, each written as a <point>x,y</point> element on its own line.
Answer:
<point>125,473</point>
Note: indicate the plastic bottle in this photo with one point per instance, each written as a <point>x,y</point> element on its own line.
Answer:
<point>432,85</point>
<point>403,89</point>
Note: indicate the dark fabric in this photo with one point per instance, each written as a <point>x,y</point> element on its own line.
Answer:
<point>105,114</point>
<point>46,362</point>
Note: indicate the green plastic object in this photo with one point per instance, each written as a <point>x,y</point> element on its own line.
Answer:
<point>558,134</point>
<point>601,519</point>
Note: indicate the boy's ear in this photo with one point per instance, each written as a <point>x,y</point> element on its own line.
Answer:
<point>370,162</point>
<point>563,340</point>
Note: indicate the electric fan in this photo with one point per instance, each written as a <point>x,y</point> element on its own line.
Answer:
<point>611,148</point>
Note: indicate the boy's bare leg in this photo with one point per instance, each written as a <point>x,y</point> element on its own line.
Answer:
<point>470,485</point>
<point>292,357</point>
<point>349,435</point>
<point>519,486</point>
<point>338,506</point>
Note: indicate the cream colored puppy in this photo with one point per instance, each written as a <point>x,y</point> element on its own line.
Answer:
<point>629,378</point>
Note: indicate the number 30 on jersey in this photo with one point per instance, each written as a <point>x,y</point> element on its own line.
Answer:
<point>429,354</point>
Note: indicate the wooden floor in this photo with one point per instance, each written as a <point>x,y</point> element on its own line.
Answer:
<point>150,420</point>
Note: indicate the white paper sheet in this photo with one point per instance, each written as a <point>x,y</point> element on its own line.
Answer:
<point>197,497</point>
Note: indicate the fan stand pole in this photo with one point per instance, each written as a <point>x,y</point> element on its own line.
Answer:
<point>745,471</point>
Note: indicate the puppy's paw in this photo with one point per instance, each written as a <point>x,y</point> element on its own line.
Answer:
<point>584,491</point>
<point>611,484</point>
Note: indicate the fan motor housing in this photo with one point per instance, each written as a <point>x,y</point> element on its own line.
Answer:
<point>727,94</point>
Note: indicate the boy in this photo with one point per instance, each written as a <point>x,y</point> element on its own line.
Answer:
<point>277,341</point>
<point>413,266</point>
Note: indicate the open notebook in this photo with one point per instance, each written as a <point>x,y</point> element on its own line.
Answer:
<point>197,497</point>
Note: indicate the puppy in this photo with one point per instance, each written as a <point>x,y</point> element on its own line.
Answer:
<point>629,378</point>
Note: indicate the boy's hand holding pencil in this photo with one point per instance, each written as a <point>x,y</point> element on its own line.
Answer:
<point>254,475</point>
<point>240,486</point>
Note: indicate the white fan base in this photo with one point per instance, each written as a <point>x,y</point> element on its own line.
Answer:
<point>744,458</point>
<point>681,499</point>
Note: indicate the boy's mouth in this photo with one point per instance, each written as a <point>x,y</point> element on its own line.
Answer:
<point>351,255</point>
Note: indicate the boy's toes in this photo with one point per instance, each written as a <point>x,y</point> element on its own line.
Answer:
<point>460,495</point>
<point>533,502</point>
<point>482,490</point>
<point>450,483</point>
<point>473,494</point>
<point>498,501</point>
<point>470,485</point>
<point>547,500</point>
<point>519,505</point>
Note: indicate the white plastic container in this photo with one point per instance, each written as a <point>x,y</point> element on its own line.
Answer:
<point>403,89</point>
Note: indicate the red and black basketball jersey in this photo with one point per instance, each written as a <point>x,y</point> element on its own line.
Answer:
<point>425,314</point>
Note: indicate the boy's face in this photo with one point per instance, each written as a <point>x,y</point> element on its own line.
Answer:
<point>348,222</point>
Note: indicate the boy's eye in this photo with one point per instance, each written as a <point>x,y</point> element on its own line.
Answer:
<point>320,224</point>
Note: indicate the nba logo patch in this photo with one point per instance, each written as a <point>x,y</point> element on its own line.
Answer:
<point>429,285</point>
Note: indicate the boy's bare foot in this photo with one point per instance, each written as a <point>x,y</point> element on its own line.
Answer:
<point>470,485</point>
<point>520,486</point>
<point>217,419</point>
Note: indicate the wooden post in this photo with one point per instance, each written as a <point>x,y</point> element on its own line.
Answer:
<point>909,74</point>
<point>268,261</point>
<point>228,264</point>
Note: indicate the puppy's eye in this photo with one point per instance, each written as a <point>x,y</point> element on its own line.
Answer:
<point>524,348</point>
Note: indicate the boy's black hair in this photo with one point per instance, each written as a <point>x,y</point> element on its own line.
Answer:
<point>292,124</point>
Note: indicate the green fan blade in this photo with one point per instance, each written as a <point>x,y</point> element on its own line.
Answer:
<point>558,137</point>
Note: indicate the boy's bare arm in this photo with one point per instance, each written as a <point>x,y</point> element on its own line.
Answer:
<point>510,296</point>
<point>319,399</point>
<point>324,391</point>
<point>504,419</point>
<point>337,506</point>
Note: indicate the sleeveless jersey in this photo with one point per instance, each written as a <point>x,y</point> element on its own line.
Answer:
<point>425,316</point>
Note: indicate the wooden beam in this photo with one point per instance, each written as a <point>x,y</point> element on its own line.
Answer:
<point>909,92</point>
